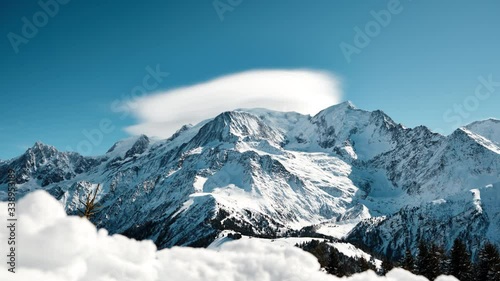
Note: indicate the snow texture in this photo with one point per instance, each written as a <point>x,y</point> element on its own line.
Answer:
<point>56,247</point>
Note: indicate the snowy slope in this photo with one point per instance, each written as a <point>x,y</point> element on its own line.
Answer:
<point>439,221</point>
<point>489,129</point>
<point>345,248</point>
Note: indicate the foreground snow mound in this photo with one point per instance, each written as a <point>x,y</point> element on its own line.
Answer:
<point>53,246</point>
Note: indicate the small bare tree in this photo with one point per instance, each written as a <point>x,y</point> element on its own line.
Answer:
<point>91,208</point>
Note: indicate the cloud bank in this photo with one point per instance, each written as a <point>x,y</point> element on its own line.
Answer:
<point>53,246</point>
<point>303,91</point>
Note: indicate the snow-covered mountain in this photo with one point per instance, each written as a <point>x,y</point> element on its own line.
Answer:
<point>489,129</point>
<point>348,172</point>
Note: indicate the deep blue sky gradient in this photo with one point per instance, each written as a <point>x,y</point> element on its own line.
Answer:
<point>92,53</point>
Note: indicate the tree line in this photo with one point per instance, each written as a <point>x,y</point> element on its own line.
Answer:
<point>333,261</point>
<point>430,261</point>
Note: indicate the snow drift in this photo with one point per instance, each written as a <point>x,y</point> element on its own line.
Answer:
<point>53,246</point>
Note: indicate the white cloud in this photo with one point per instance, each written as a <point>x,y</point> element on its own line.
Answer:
<point>303,91</point>
<point>52,246</point>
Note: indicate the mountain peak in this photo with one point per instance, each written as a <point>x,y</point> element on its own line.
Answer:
<point>488,128</point>
<point>487,121</point>
<point>232,125</point>
<point>129,147</point>
<point>39,144</point>
<point>342,106</point>
<point>467,136</point>
<point>139,147</point>
<point>348,104</point>
<point>41,147</point>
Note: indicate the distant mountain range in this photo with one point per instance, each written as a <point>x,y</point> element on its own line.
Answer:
<point>345,172</point>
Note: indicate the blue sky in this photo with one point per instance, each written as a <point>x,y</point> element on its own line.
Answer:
<point>418,68</point>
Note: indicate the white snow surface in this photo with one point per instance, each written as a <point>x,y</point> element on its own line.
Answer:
<point>345,248</point>
<point>56,247</point>
<point>337,230</point>
<point>487,143</point>
<point>489,129</point>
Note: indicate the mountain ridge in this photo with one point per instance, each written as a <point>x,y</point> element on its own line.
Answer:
<point>268,174</point>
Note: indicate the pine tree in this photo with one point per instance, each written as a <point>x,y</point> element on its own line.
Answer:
<point>460,261</point>
<point>408,261</point>
<point>387,266</point>
<point>488,266</point>
<point>364,264</point>
<point>428,260</point>
<point>434,256</point>
<point>422,264</point>
<point>334,264</point>
<point>320,251</point>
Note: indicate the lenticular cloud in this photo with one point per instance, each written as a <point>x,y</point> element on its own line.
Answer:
<point>303,91</point>
<point>55,247</point>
